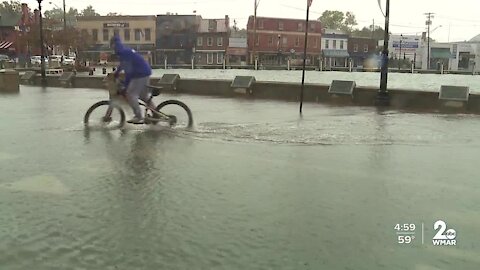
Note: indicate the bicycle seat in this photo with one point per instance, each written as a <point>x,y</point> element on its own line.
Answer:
<point>155,89</point>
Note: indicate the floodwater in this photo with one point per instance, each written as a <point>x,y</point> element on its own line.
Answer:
<point>426,82</point>
<point>252,186</point>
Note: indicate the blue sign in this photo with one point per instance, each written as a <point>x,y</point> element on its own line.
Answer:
<point>406,45</point>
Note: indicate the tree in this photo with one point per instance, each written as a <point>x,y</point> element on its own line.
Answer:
<point>335,19</point>
<point>12,7</point>
<point>113,14</point>
<point>89,11</point>
<point>366,32</point>
<point>55,15</point>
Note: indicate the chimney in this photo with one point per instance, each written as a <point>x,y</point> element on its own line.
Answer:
<point>227,22</point>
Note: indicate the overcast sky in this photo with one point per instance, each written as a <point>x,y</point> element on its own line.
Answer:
<point>459,19</point>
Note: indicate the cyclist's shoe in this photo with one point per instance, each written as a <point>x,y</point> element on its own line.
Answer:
<point>136,120</point>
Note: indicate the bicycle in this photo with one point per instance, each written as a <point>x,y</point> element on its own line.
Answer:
<point>111,115</point>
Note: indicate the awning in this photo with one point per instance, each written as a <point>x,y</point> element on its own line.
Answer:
<point>335,53</point>
<point>5,44</point>
<point>237,51</point>
<point>441,53</point>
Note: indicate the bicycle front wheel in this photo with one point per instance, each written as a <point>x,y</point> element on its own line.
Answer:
<point>178,113</point>
<point>104,115</point>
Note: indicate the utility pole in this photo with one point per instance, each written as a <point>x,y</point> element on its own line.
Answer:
<point>373,29</point>
<point>428,23</point>
<point>255,28</point>
<point>383,97</point>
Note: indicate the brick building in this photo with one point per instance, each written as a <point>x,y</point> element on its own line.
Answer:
<point>212,41</point>
<point>176,38</point>
<point>361,49</point>
<point>280,39</point>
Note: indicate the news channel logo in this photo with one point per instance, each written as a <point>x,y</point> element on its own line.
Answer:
<point>444,235</point>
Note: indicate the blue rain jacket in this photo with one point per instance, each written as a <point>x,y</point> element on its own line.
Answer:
<point>131,62</point>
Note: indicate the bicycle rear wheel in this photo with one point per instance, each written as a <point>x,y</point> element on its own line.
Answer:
<point>104,115</point>
<point>179,113</point>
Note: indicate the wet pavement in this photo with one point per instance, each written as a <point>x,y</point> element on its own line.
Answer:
<point>252,186</point>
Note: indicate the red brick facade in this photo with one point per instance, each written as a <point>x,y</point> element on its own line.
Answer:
<point>279,39</point>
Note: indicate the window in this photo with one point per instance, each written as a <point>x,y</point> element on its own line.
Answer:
<point>95,35</point>
<point>312,26</point>
<point>148,35</point>
<point>300,26</point>
<point>327,43</point>
<point>258,40</point>
<point>219,58</point>
<point>285,41</point>
<point>260,24</point>
<point>270,41</point>
<point>126,33</point>
<point>365,48</point>
<point>355,47</point>
<point>341,44</point>
<point>105,35</point>
<point>116,32</point>
<point>200,41</point>
<point>334,44</point>
<point>219,41</point>
<point>209,58</point>
<point>297,41</point>
<point>210,42</point>
<point>138,33</point>
<point>280,25</point>
<point>316,43</point>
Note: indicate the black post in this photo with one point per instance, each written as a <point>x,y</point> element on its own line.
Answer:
<point>400,54</point>
<point>383,98</point>
<point>42,47</point>
<point>304,57</point>
<point>64,17</point>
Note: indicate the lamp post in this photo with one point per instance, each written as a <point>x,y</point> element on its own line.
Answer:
<point>42,48</point>
<point>383,98</point>
<point>400,54</point>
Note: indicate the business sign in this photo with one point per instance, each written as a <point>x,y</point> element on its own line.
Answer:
<point>115,25</point>
<point>405,44</point>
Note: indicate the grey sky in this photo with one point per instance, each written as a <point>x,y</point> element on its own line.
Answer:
<point>459,19</point>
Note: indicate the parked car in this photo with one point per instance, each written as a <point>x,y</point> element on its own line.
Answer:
<point>69,61</point>
<point>36,60</point>
<point>4,57</point>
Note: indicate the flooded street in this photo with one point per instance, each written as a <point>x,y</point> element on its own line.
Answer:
<point>252,186</point>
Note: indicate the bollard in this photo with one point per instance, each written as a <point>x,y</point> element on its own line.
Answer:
<point>350,65</point>
<point>165,63</point>
<point>9,81</point>
<point>413,67</point>
<point>224,63</point>
<point>193,62</point>
<point>288,64</point>
<point>256,64</point>
<point>441,68</point>
<point>104,70</point>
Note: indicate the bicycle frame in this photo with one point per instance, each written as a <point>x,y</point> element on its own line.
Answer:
<point>162,116</point>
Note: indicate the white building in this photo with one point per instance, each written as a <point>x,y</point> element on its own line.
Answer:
<point>335,48</point>
<point>410,47</point>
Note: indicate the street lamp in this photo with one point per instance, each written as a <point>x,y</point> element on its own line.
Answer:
<point>42,49</point>
<point>383,98</point>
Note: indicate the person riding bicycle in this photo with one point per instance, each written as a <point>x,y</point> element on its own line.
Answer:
<point>137,76</point>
